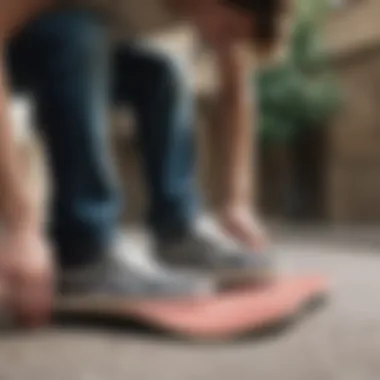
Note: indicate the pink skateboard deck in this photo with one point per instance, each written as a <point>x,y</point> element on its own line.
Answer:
<point>226,316</point>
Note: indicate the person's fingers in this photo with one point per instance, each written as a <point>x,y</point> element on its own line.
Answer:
<point>246,231</point>
<point>31,297</point>
<point>27,271</point>
<point>3,289</point>
<point>41,300</point>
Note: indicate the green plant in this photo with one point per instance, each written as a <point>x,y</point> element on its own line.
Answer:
<point>301,91</point>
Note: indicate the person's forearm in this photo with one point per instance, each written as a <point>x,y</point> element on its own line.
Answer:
<point>235,118</point>
<point>17,207</point>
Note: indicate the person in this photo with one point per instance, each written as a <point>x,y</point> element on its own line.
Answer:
<point>85,205</point>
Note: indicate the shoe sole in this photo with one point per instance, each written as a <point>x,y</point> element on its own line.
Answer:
<point>229,315</point>
<point>236,278</point>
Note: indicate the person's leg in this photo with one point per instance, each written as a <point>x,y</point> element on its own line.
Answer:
<point>63,59</point>
<point>155,85</point>
<point>67,55</point>
<point>162,99</point>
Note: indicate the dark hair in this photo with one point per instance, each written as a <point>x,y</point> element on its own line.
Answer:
<point>266,13</point>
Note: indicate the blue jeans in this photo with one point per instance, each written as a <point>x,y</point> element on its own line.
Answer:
<point>157,89</point>
<point>63,59</point>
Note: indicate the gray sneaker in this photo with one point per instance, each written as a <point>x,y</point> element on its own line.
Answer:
<point>209,251</point>
<point>126,276</point>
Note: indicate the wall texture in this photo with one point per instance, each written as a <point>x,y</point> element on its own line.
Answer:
<point>353,164</point>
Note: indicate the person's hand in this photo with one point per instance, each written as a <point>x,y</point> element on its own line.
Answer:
<point>240,224</point>
<point>211,23</point>
<point>26,273</point>
<point>221,25</point>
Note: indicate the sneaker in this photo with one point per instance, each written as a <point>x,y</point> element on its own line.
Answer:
<point>208,251</point>
<point>126,276</point>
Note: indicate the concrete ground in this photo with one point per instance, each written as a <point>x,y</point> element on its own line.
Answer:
<point>339,342</point>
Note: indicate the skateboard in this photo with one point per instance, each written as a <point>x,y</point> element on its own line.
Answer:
<point>225,316</point>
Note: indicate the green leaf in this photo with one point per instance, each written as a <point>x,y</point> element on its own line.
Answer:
<point>300,91</point>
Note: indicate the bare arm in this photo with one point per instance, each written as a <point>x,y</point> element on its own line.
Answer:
<point>26,268</point>
<point>16,204</point>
